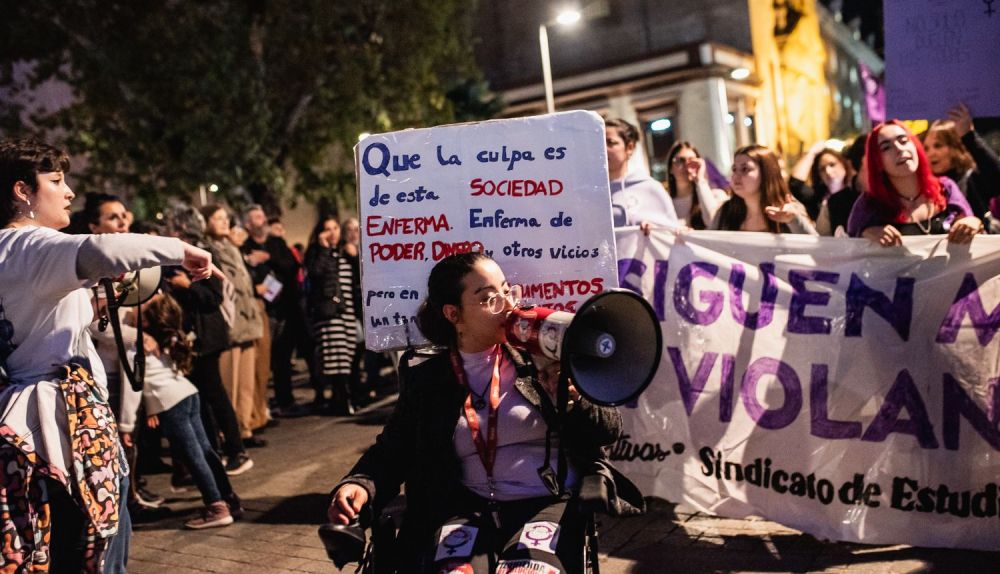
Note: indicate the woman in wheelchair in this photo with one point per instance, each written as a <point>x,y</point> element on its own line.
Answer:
<point>473,438</point>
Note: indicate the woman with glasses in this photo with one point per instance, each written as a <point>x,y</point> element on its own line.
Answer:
<point>332,268</point>
<point>695,202</point>
<point>469,436</point>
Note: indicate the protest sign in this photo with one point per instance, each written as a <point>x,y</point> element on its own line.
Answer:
<point>530,192</point>
<point>838,387</point>
<point>939,53</point>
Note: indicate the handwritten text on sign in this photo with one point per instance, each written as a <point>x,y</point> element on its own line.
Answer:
<point>530,192</point>
<point>840,388</point>
<point>939,53</point>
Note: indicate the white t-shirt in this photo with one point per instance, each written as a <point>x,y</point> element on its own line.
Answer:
<point>46,303</point>
<point>50,310</point>
<point>520,435</point>
<point>164,386</point>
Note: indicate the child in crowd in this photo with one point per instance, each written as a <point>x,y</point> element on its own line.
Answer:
<point>172,404</point>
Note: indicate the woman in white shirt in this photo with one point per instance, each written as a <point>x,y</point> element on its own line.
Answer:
<point>59,447</point>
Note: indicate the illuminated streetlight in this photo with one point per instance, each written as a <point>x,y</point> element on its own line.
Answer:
<point>568,17</point>
<point>740,74</point>
<point>213,188</point>
<point>565,18</point>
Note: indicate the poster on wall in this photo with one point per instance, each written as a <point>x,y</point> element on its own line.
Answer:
<point>530,192</point>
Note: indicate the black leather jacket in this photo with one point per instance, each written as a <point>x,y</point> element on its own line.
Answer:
<point>415,448</point>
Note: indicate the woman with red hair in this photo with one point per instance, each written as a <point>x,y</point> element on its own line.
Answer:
<point>904,197</point>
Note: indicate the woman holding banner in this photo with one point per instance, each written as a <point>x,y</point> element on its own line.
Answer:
<point>470,440</point>
<point>761,200</point>
<point>904,197</point>
<point>60,450</point>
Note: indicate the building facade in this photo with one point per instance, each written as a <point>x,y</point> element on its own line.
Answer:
<point>718,73</point>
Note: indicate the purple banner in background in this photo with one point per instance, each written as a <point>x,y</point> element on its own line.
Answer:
<point>939,53</point>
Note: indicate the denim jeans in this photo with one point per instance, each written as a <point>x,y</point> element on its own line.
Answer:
<point>116,556</point>
<point>181,424</point>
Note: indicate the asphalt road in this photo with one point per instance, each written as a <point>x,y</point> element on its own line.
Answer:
<point>285,497</point>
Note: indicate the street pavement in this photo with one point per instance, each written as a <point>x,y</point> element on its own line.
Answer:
<point>285,498</point>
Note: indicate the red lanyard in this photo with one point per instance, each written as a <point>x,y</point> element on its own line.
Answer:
<point>487,450</point>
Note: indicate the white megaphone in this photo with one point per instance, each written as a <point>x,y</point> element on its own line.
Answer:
<point>135,287</point>
<point>610,348</point>
<point>130,290</point>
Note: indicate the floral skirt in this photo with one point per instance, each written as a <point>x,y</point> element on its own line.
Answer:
<point>25,511</point>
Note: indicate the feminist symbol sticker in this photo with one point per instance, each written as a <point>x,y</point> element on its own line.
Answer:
<point>541,535</point>
<point>455,540</point>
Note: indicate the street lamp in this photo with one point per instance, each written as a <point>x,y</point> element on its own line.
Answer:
<point>565,18</point>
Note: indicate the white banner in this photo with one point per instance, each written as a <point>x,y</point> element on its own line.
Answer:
<point>837,387</point>
<point>531,192</point>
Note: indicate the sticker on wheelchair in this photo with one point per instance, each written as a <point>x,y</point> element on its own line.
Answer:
<point>542,535</point>
<point>525,566</point>
<point>455,541</point>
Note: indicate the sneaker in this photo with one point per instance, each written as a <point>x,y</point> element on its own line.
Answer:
<point>235,505</point>
<point>239,464</point>
<point>148,499</point>
<point>212,516</point>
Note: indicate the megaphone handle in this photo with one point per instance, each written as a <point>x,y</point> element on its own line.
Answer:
<point>135,377</point>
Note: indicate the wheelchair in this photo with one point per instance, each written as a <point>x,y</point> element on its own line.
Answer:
<point>347,544</point>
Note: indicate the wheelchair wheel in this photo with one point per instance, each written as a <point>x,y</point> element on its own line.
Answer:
<point>591,560</point>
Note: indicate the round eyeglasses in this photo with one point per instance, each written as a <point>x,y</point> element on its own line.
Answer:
<point>497,302</point>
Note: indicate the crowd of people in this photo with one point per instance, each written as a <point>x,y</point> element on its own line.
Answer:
<point>890,183</point>
<point>237,303</point>
<point>228,318</point>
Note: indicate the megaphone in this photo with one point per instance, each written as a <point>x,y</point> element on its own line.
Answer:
<point>130,289</point>
<point>135,288</point>
<point>611,347</point>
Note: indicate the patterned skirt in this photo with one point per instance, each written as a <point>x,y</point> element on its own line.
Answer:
<point>25,511</point>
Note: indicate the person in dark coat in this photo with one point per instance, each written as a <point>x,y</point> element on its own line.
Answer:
<point>331,303</point>
<point>470,439</point>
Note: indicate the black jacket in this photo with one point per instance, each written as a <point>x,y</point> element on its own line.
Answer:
<point>415,448</point>
<point>202,306</point>
<point>285,268</point>
<point>325,299</point>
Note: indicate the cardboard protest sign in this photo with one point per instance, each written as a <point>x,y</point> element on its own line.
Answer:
<point>838,387</point>
<point>530,192</point>
<point>939,53</point>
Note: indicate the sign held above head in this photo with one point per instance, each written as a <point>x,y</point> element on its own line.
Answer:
<point>532,193</point>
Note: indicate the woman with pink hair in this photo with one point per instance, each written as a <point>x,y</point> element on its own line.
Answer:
<point>904,197</point>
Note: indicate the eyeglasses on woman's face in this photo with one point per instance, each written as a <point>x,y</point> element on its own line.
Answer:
<point>497,302</point>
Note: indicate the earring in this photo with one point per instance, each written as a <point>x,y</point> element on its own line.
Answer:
<point>31,212</point>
